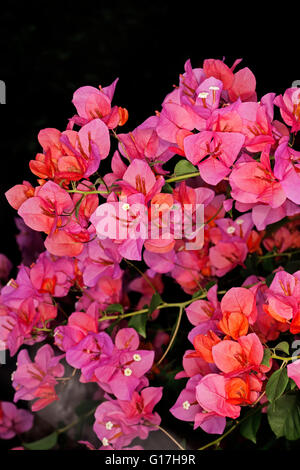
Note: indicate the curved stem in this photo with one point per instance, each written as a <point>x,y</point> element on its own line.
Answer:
<point>173,336</point>
<point>144,276</point>
<point>159,307</point>
<point>86,193</point>
<point>285,359</point>
<point>219,439</point>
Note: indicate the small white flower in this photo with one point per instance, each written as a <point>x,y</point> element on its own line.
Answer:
<point>230,229</point>
<point>239,221</point>
<point>109,425</point>
<point>105,442</point>
<point>215,88</point>
<point>137,357</point>
<point>186,405</point>
<point>126,206</point>
<point>127,372</point>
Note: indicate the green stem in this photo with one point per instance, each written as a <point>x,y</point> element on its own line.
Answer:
<point>86,193</point>
<point>159,307</point>
<point>275,255</point>
<point>182,177</point>
<point>233,427</point>
<point>217,441</point>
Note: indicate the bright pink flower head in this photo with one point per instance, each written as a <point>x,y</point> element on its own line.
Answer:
<point>93,351</point>
<point>21,325</point>
<point>36,380</point>
<point>13,420</point>
<point>139,178</point>
<point>289,105</point>
<point>225,256</point>
<point>254,182</point>
<point>99,258</point>
<point>203,310</point>
<point>223,396</point>
<point>123,374</point>
<point>214,153</point>
<point>19,194</point>
<point>52,275</point>
<point>282,299</point>
<point>125,222</point>
<point>211,395</point>
<point>143,143</point>
<point>118,422</point>
<point>79,325</point>
<point>93,103</point>
<point>240,300</point>
<point>235,357</point>
<point>47,210</point>
<point>286,169</point>
<point>257,126</point>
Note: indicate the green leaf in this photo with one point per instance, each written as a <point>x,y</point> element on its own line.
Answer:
<point>156,300</point>
<point>250,427</point>
<point>42,444</point>
<point>113,308</point>
<point>284,417</point>
<point>276,384</point>
<point>283,346</point>
<point>267,356</point>
<point>183,167</point>
<point>138,322</point>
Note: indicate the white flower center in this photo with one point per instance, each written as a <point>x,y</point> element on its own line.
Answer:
<point>109,425</point>
<point>137,357</point>
<point>230,229</point>
<point>239,221</point>
<point>186,404</point>
<point>214,88</point>
<point>105,442</point>
<point>203,94</point>
<point>127,372</point>
<point>126,206</point>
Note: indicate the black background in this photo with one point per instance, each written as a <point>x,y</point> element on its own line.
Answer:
<point>49,49</point>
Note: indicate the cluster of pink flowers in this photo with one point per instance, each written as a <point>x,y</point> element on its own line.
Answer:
<point>237,163</point>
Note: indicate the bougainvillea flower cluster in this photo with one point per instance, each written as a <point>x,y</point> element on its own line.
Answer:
<point>203,196</point>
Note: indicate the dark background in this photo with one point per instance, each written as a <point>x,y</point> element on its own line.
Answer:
<point>49,49</point>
